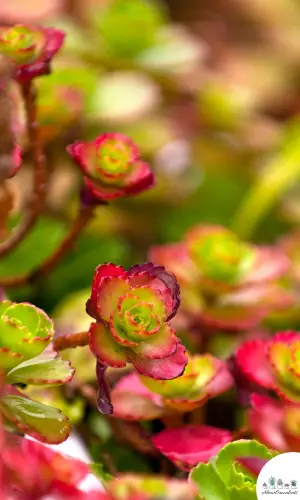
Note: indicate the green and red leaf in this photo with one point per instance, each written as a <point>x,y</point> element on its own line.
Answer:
<point>41,422</point>
<point>104,346</point>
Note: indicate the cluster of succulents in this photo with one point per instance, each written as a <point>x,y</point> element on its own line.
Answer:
<point>155,372</point>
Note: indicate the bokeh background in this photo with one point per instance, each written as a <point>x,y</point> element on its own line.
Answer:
<point>210,92</point>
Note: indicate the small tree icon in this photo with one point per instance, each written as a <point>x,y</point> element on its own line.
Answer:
<point>272,482</point>
<point>293,483</point>
<point>265,485</point>
<point>279,483</point>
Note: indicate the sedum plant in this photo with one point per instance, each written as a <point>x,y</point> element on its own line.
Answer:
<point>233,472</point>
<point>177,363</point>
<point>27,358</point>
<point>227,284</point>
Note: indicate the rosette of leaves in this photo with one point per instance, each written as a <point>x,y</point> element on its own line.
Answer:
<point>30,48</point>
<point>228,283</point>
<point>112,166</point>
<point>273,364</point>
<point>232,474</point>
<point>26,358</point>
<point>132,310</point>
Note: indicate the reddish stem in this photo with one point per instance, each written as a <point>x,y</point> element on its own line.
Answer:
<point>80,222</point>
<point>36,203</point>
<point>71,340</point>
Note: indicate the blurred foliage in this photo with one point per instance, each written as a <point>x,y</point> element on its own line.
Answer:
<point>210,92</point>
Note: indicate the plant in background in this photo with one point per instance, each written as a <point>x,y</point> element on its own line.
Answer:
<point>152,393</point>
<point>226,283</point>
<point>273,364</point>
<point>275,423</point>
<point>32,470</point>
<point>149,488</point>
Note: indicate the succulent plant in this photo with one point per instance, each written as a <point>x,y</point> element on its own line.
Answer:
<point>26,358</point>
<point>273,364</point>
<point>31,48</point>
<point>226,283</point>
<point>233,472</point>
<point>132,309</point>
<point>112,166</point>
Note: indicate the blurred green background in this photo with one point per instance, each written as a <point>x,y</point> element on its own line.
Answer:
<point>210,93</point>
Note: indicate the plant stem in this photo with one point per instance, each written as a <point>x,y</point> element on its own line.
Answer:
<point>79,223</point>
<point>71,340</point>
<point>36,202</point>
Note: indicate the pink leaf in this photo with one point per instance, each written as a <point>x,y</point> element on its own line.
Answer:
<point>189,445</point>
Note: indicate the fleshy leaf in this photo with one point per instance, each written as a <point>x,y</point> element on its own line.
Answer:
<point>42,370</point>
<point>225,461</point>
<point>110,289</point>
<point>247,492</point>
<point>251,358</point>
<point>209,484</point>
<point>199,372</point>
<point>41,422</point>
<point>104,347</point>
<point>133,401</point>
<point>102,271</point>
<point>189,445</point>
<point>266,421</point>
<point>25,314</point>
<point>25,329</point>
<point>9,359</point>
<point>165,368</point>
<point>4,305</point>
<point>159,345</point>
